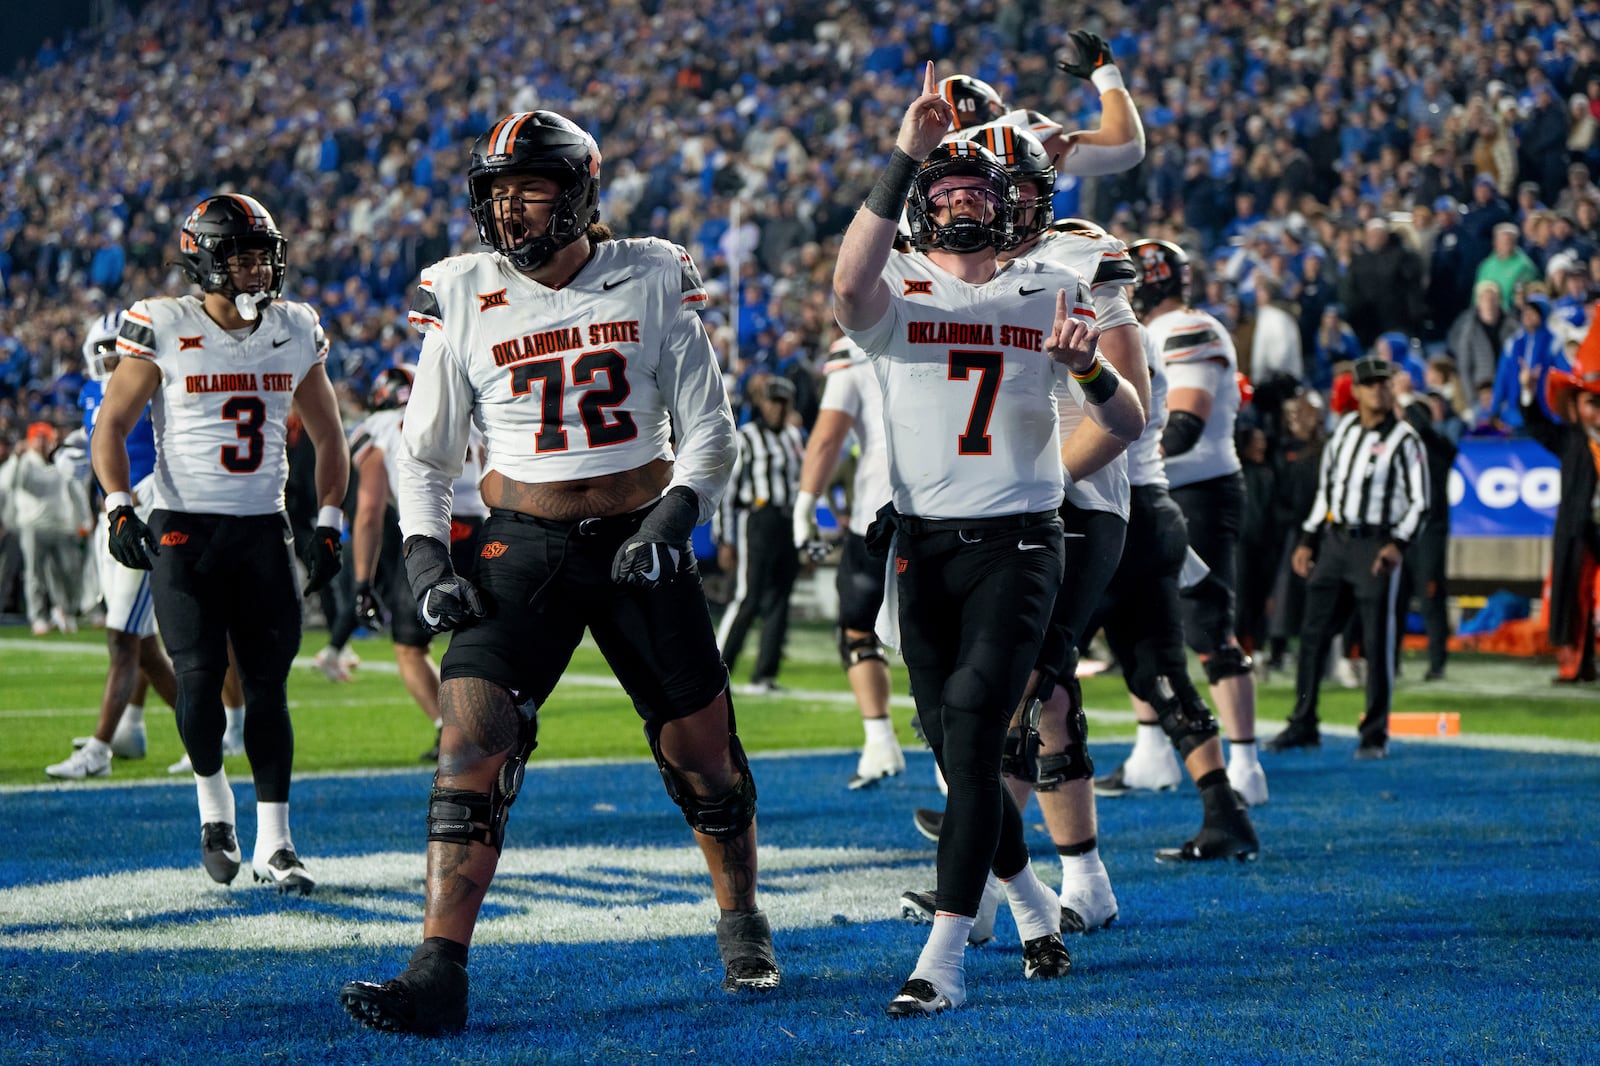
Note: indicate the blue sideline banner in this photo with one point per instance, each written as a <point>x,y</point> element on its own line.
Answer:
<point>1503,488</point>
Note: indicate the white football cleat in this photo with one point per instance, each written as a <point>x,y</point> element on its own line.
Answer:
<point>130,740</point>
<point>349,660</point>
<point>1153,770</point>
<point>878,760</point>
<point>285,870</point>
<point>328,660</point>
<point>79,765</point>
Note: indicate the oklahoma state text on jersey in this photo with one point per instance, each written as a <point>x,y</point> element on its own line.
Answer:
<point>968,393</point>
<point>219,414</point>
<point>590,379</point>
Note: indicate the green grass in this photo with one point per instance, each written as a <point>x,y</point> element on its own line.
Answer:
<point>52,685</point>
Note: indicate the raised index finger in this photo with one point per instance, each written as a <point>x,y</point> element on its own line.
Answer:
<point>1061,308</point>
<point>929,86</point>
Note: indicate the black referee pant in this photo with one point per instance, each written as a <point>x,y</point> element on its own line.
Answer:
<point>765,574</point>
<point>1425,577</point>
<point>1341,582</point>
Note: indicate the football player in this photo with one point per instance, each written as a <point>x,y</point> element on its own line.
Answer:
<point>1118,144</point>
<point>137,657</point>
<point>977,482</point>
<point>1051,755</point>
<point>375,539</point>
<point>852,403</point>
<point>609,438</point>
<point>1207,482</point>
<point>221,371</point>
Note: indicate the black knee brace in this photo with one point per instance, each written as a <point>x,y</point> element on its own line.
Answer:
<point>1020,757</point>
<point>721,817</point>
<point>459,816</point>
<point>853,650</point>
<point>1186,720</point>
<point>1073,764</point>
<point>1227,661</point>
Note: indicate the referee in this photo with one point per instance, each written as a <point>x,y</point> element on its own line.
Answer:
<point>1372,495</point>
<point>755,524</point>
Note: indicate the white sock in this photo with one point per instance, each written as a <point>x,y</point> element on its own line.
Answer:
<point>216,798</point>
<point>878,730</point>
<point>97,748</point>
<point>1242,756</point>
<point>132,715</point>
<point>1148,742</point>
<point>941,961</point>
<point>438,723</point>
<point>1036,909</point>
<point>988,907</point>
<point>272,830</point>
<point>1076,868</point>
<point>235,720</point>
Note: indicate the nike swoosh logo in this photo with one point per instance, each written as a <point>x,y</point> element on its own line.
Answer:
<point>428,616</point>
<point>654,572</point>
<point>609,285</point>
<point>280,342</point>
<point>1024,290</point>
<point>1023,545</point>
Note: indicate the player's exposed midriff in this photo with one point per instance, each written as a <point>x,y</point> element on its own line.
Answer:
<point>571,501</point>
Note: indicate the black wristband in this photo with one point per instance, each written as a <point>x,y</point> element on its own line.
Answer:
<point>888,198</point>
<point>427,562</point>
<point>1100,383</point>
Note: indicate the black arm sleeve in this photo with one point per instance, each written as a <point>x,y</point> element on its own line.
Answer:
<point>1182,432</point>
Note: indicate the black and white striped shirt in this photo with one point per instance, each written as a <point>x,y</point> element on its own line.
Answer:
<point>1373,478</point>
<point>766,472</point>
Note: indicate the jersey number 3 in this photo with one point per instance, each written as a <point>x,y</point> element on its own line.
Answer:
<point>989,365</point>
<point>249,412</point>
<point>593,405</point>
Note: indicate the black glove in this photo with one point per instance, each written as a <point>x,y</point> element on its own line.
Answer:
<point>444,600</point>
<point>652,556</point>
<point>1093,53</point>
<point>130,539</point>
<point>322,558</point>
<point>369,612</point>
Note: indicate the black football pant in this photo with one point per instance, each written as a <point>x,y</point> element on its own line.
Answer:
<point>1341,583</point>
<point>768,566</point>
<point>1424,577</point>
<point>973,604</point>
<point>222,579</point>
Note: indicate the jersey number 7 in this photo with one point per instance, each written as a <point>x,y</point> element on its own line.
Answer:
<point>989,365</point>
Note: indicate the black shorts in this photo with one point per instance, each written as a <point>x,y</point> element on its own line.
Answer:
<point>1214,511</point>
<point>544,583</point>
<point>466,536</point>
<point>222,576</point>
<point>860,583</point>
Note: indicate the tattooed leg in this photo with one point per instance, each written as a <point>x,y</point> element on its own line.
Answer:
<point>481,730</point>
<point>699,750</point>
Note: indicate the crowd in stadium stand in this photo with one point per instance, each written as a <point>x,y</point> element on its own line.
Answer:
<point>1413,176</point>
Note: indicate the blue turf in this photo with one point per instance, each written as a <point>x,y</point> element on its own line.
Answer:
<point>1436,907</point>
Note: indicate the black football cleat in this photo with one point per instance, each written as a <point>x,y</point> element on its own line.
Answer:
<point>928,822</point>
<point>428,999</point>
<point>285,870</point>
<point>1295,736</point>
<point>1225,831</point>
<point>1046,957</point>
<point>744,940</point>
<point>918,999</point>
<point>219,852</point>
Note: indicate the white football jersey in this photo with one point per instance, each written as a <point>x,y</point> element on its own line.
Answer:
<point>221,409</point>
<point>1199,354</point>
<point>1144,455</point>
<point>383,430</point>
<point>850,385</point>
<point>968,392</point>
<point>1104,260</point>
<point>604,375</point>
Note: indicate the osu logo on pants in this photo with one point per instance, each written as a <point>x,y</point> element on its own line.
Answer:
<point>493,550</point>
<point>173,539</point>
